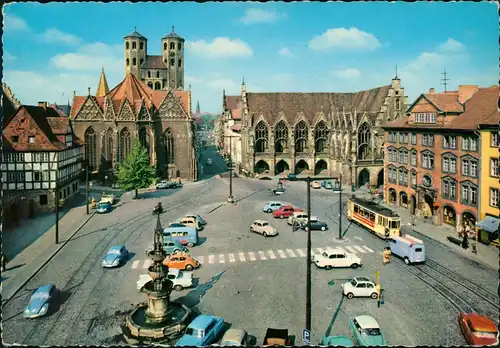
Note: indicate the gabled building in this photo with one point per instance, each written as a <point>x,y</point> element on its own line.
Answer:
<point>160,119</point>
<point>433,157</point>
<point>230,124</point>
<point>40,154</point>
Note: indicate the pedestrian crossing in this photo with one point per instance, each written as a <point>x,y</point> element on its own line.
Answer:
<point>260,255</point>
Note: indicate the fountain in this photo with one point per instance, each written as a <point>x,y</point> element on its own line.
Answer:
<point>160,320</point>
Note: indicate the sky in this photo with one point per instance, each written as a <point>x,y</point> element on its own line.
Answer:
<point>51,50</point>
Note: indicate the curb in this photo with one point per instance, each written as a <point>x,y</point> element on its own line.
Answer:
<point>23,284</point>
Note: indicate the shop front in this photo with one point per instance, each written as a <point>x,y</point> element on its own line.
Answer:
<point>488,230</point>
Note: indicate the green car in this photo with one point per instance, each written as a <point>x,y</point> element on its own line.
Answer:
<point>342,341</point>
<point>366,331</point>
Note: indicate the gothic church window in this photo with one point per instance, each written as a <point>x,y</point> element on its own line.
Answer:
<point>107,148</point>
<point>158,74</point>
<point>149,74</point>
<point>134,61</point>
<point>91,148</point>
<point>364,142</point>
<point>164,46</point>
<point>169,146</point>
<point>127,45</point>
<point>179,46</point>
<point>157,85</point>
<point>150,84</point>
<point>320,136</point>
<point>125,144</point>
<point>281,137</point>
<point>141,45</point>
<point>128,62</point>
<point>261,137</point>
<point>179,63</point>
<point>134,45</point>
<point>144,138</point>
<point>172,46</point>
<point>301,133</point>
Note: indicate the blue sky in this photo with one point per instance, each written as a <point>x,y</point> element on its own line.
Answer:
<point>50,50</point>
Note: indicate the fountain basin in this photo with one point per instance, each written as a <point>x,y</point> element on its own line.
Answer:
<point>157,257</point>
<point>139,329</point>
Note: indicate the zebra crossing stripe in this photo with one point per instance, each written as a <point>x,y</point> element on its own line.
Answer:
<point>360,249</point>
<point>320,250</point>
<point>291,253</point>
<point>369,250</point>
<point>282,254</point>
<point>351,250</point>
<point>339,248</point>
<point>211,258</point>
<point>271,254</point>
<point>252,256</point>
<point>221,258</point>
<point>200,259</point>
<point>135,264</point>
<point>231,258</point>
<point>301,253</point>
<point>242,257</point>
<point>262,255</point>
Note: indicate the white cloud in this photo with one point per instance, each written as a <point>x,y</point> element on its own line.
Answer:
<point>348,39</point>
<point>90,57</point>
<point>285,52</point>
<point>220,47</point>
<point>347,73</point>
<point>452,46</point>
<point>258,15</point>
<point>9,57</point>
<point>54,35</point>
<point>12,22</point>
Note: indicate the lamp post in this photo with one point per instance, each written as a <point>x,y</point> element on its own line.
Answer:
<point>337,187</point>
<point>87,184</point>
<point>230,198</point>
<point>106,180</point>
<point>308,181</point>
<point>57,204</point>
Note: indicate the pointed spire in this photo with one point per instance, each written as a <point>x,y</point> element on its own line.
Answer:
<point>197,106</point>
<point>243,80</point>
<point>135,28</point>
<point>102,88</point>
<point>172,28</point>
<point>89,90</point>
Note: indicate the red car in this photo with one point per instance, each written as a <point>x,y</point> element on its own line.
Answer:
<point>478,330</point>
<point>285,211</point>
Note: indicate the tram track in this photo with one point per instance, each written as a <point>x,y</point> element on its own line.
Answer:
<point>43,328</point>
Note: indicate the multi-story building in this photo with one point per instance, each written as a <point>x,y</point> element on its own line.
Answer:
<point>41,154</point>
<point>231,128</point>
<point>432,155</point>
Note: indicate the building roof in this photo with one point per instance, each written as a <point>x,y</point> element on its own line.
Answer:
<point>102,87</point>
<point>236,114</point>
<point>135,34</point>
<point>445,102</point>
<point>311,103</point>
<point>233,102</point>
<point>9,102</point>
<point>172,34</point>
<point>154,62</point>
<point>62,109</point>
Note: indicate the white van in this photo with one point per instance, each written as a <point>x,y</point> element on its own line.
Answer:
<point>409,248</point>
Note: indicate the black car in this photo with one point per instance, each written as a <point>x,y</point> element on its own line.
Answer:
<point>316,225</point>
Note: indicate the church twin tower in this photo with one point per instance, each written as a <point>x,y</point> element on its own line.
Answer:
<point>158,72</point>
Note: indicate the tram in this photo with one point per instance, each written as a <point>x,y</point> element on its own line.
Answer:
<point>381,221</point>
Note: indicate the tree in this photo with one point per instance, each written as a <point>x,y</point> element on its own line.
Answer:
<point>135,172</point>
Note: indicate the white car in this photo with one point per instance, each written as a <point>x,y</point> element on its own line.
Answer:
<point>359,287</point>
<point>263,227</point>
<point>180,279</point>
<point>297,217</point>
<point>336,258</point>
<point>201,220</point>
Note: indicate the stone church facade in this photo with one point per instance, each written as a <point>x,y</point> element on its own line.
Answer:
<point>319,133</point>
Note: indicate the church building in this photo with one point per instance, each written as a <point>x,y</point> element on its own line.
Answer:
<point>317,133</point>
<point>143,106</point>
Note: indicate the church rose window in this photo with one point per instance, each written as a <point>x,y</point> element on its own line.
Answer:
<point>364,139</point>
<point>125,144</point>
<point>169,147</point>
<point>261,137</point>
<point>320,136</point>
<point>281,137</point>
<point>91,148</point>
<point>301,137</point>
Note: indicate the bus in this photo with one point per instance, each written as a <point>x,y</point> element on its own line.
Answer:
<point>381,221</point>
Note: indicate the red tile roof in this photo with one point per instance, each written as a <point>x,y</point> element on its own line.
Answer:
<point>446,102</point>
<point>236,114</point>
<point>233,102</point>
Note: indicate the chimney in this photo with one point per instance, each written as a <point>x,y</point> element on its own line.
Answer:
<point>42,104</point>
<point>431,90</point>
<point>466,91</point>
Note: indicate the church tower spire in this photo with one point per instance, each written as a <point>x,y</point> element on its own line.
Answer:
<point>102,88</point>
<point>198,107</point>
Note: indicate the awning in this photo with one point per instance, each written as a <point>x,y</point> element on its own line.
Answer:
<point>489,224</point>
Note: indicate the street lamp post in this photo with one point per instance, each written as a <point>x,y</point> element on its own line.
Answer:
<point>309,180</point>
<point>338,188</point>
<point>230,198</point>
<point>57,206</point>
<point>87,184</point>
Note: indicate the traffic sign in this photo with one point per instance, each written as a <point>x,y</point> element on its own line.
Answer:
<point>306,336</point>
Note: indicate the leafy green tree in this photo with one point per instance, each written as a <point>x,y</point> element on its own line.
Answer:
<point>136,172</point>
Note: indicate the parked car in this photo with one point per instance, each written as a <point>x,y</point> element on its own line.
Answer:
<point>180,279</point>
<point>109,198</point>
<point>235,337</point>
<point>367,331</point>
<point>316,185</point>
<point>263,227</point>
<point>359,287</point>
<point>162,185</point>
<point>116,256</point>
<point>342,341</point>
<point>41,301</point>
<point>327,184</point>
<point>176,224</point>
<point>197,217</point>
<point>277,337</point>
<point>182,261</point>
<point>316,225</point>
<point>170,246</point>
<point>272,206</point>
<point>285,211</point>
<point>189,222</point>
<point>202,331</point>
<point>336,258</point>
<point>478,330</point>
<point>297,217</point>
<point>292,177</point>
<point>104,207</point>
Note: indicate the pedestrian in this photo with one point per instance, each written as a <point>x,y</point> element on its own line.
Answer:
<point>465,241</point>
<point>467,230</point>
<point>460,231</point>
<point>386,255</point>
<point>4,262</point>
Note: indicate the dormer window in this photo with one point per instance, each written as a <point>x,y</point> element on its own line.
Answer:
<point>424,117</point>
